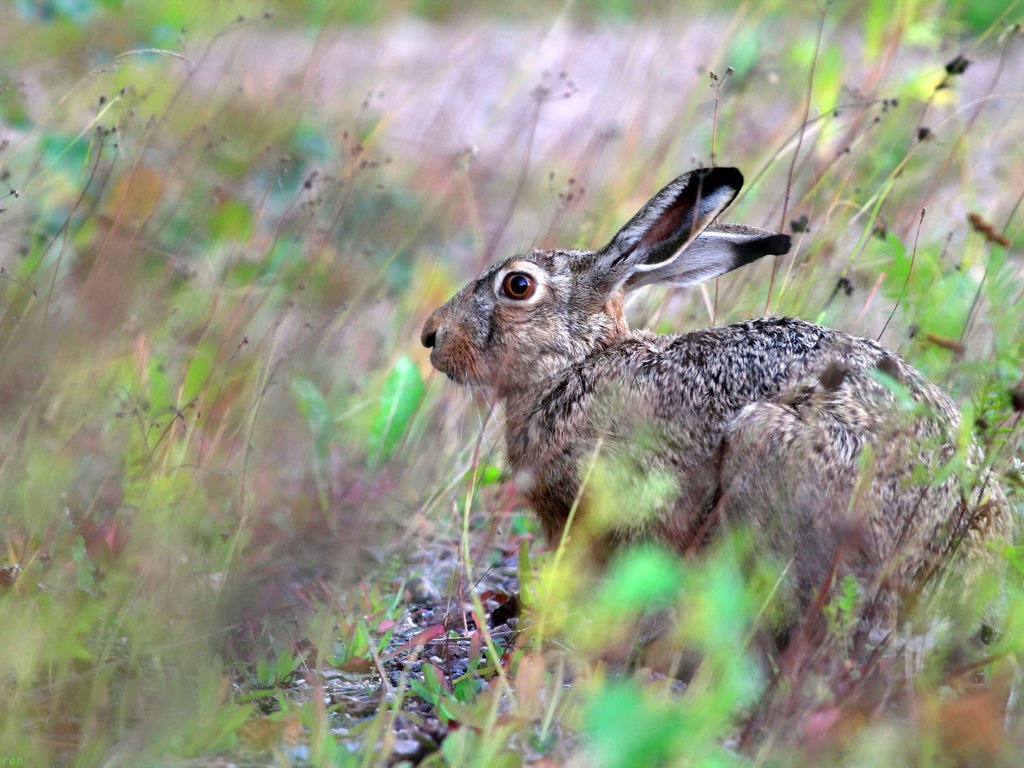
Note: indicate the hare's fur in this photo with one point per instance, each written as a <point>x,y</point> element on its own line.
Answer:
<point>827,445</point>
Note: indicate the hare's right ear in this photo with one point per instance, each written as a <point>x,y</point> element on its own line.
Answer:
<point>663,242</point>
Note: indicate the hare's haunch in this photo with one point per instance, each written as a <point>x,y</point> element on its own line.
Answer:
<point>826,445</point>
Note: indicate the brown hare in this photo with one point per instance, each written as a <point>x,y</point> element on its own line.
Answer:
<point>832,450</point>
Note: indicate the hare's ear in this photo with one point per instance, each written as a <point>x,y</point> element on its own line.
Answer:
<point>720,248</point>
<point>656,245</point>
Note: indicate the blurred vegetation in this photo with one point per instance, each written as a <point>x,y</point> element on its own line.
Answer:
<point>243,521</point>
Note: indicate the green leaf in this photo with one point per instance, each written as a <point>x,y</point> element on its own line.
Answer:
<point>284,665</point>
<point>85,578</point>
<point>649,738</point>
<point>232,220</point>
<point>159,393</point>
<point>489,475</point>
<point>64,153</point>
<point>14,109</point>
<point>264,674</point>
<point>642,578</point>
<point>199,369</point>
<point>744,52</point>
<point>399,398</point>
<point>361,641</point>
<point>979,15</point>
<point>876,20</point>
<point>466,689</point>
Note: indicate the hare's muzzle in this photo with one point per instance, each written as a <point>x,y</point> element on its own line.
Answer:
<point>432,337</point>
<point>436,337</point>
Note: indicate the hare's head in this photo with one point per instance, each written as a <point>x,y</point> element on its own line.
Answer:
<point>528,317</point>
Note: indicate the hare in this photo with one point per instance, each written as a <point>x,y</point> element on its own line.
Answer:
<point>833,450</point>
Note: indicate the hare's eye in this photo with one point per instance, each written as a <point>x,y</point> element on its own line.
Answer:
<point>518,285</point>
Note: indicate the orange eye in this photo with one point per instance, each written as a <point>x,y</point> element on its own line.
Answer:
<point>518,286</point>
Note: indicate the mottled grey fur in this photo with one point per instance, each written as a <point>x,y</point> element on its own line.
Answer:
<point>826,444</point>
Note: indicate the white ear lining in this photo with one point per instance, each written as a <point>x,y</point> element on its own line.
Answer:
<point>713,203</point>
<point>709,255</point>
<point>717,200</point>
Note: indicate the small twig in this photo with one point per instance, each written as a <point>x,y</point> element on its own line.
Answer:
<point>116,61</point>
<point>385,683</point>
<point>717,83</point>
<point>906,282</point>
<point>1013,212</point>
<point>5,275</point>
<point>799,143</point>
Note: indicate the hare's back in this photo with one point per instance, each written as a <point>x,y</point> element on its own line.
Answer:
<point>721,370</point>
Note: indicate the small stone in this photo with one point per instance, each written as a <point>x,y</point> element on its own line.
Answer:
<point>419,590</point>
<point>405,747</point>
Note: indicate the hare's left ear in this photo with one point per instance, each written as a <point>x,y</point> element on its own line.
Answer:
<point>670,241</point>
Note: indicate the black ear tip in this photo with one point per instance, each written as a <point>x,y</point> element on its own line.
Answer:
<point>776,245</point>
<point>711,179</point>
<point>752,250</point>
<point>707,182</point>
<point>726,177</point>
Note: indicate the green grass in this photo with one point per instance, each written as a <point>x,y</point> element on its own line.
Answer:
<point>233,490</point>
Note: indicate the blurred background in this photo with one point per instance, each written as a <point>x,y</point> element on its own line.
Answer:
<point>235,497</point>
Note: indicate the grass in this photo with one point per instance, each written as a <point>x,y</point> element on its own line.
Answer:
<point>245,524</point>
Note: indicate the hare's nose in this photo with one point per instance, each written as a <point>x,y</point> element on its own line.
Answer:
<point>428,336</point>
